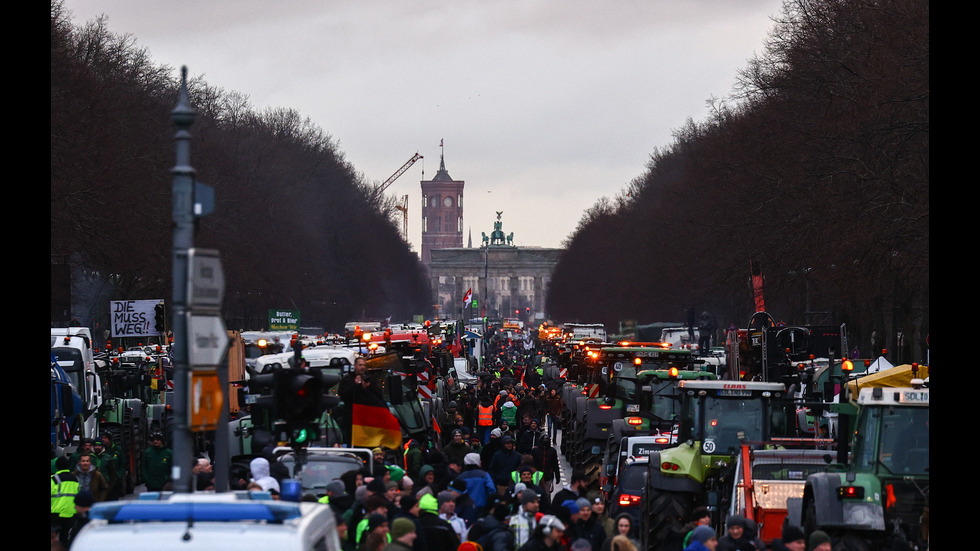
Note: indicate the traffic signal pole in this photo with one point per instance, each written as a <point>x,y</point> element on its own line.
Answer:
<point>183,117</point>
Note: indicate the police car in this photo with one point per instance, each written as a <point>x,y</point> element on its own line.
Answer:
<point>167,521</point>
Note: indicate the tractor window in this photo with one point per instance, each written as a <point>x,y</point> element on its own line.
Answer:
<point>728,422</point>
<point>626,389</point>
<point>905,440</point>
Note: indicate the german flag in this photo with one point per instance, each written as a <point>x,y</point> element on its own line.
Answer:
<point>372,424</point>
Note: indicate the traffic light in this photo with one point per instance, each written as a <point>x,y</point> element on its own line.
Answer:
<point>262,397</point>
<point>158,317</point>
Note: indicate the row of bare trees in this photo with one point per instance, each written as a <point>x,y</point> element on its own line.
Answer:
<point>296,226</point>
<point>817,167</point>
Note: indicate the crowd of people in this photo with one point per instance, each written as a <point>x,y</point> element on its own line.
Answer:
<point>486,482</point>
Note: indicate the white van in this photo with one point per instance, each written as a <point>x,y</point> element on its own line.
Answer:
<point>206,521</point>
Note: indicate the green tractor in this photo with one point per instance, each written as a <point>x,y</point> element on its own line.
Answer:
<point>877,495</point>
<point>716,419</point>
<point>644,382</point>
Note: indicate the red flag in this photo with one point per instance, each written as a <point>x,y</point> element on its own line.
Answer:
<point>468,297</point>
<point>457,346</point>
<point>372,423</point>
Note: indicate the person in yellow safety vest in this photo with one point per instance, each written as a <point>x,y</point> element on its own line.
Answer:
<point>64,488</point>
<point>526,477</point>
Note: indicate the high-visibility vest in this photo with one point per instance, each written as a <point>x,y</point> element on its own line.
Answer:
<point>536,476</point>
<point>484,416</point>
<point>64,488</point>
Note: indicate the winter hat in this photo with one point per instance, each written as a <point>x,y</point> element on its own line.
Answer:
<point>736,520</point>
<point>793,533</point>
<point>570,505</point>
<point>445,496</point>
<point>518,488</point>
<point>469,546</point>
<point>400,527</point>
<point>583,503</point>
<point>458,485</point>
<point>703,533</point>
<point>425,470</point>
<point>396,472</point>
<point>816,538</point>
<point>528,496</point>
<point>471,459</point>
<point>377,451</point>
<point>428,502</point>
<point>496,432</point>
<point>377,486</point>
<point>507,439</point>
<point>84,498</point>
<point>407,502</point>
<point>375,520</point>
<point>337,487</point>
<point>407,483</point>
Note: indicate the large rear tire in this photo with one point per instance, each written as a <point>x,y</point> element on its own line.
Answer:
<point>665,514</point>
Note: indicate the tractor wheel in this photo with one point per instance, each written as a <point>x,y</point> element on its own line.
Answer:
<point>666,513</point>
<point>809,520</point>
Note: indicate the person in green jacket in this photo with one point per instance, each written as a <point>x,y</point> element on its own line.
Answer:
<point>64,488</point>
<point>157,461</point>
<point>109,461</point>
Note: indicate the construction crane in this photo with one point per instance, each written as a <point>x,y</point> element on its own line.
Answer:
<point>384,185</point>
<point>404,209</point>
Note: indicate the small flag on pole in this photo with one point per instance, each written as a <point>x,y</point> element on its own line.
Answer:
<point>468,297</point>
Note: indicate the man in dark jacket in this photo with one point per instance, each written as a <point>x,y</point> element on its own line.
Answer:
<point>586,526</point>
<point>492,446</point>
<point>490,531</point>
<point>529,437</point>
<point>573,491</point>
<point>737,538</point>
<point>546,461</point>
<point>438,533</point>
<point>479,485</point>
<point>503,463</point>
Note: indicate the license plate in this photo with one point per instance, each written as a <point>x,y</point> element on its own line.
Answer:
<point>632,408</point>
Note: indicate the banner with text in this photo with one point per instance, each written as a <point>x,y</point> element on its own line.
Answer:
<point>133,318</point>
<point>283,320</point>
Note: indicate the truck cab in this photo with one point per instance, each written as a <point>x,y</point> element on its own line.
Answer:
<point>73,350</point>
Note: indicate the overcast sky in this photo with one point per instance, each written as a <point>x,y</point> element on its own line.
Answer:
<point>543,106</point>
